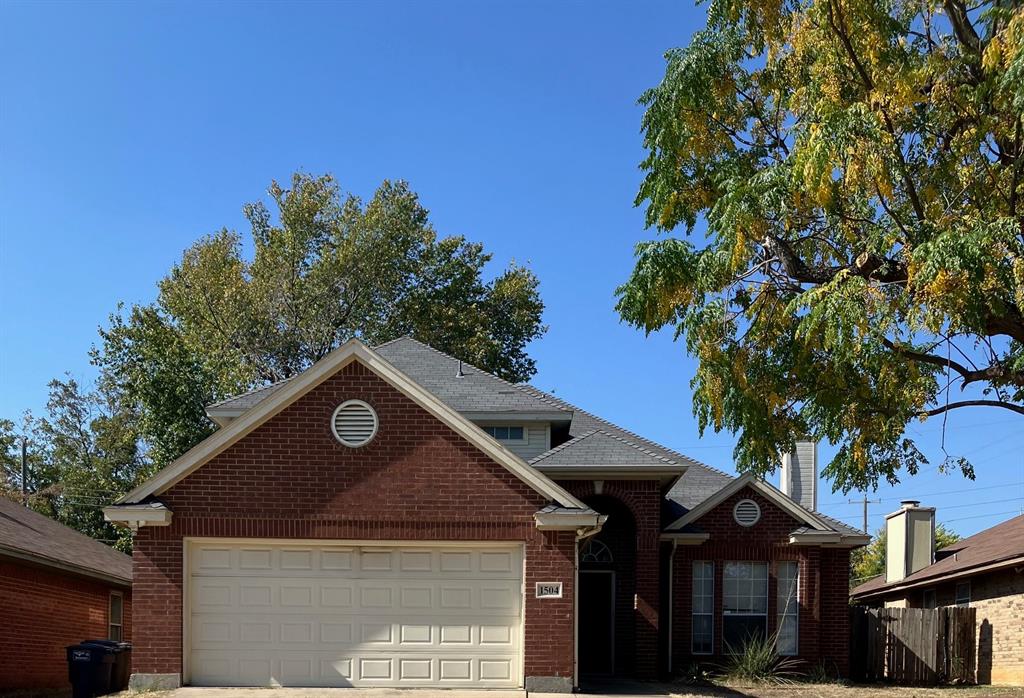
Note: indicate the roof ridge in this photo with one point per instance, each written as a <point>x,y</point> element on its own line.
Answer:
<point>562,446</point>
<point>253,391</point>
<point>517,386</point>
<point>529,387</point>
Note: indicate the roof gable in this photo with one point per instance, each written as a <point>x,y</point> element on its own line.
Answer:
<point>774,495</point>
<point>290,391</point>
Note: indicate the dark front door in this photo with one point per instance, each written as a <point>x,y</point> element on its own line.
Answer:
<point>597,622</point>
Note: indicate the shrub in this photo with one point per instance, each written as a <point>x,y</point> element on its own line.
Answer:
<point>757,660</point>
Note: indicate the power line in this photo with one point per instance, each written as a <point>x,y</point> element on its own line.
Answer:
<point>928,494</point>
<point>982,516</point>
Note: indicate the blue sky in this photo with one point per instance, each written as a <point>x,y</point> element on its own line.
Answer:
<point>129,130</point>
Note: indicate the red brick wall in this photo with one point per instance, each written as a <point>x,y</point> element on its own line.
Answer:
<point>636,651</point>
<point>43,611</point>
<point>823,613</point>
<point>290,478</point>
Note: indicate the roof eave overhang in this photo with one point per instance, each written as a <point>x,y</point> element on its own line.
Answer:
<point>897,587</point>
<point>583,521</point>
<point>663,474</point>
<point>71,568</point>
<point>828,539</point>
<point>685,538</point>
<point>137,516</point>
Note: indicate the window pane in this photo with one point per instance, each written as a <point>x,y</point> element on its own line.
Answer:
<point>115,633</point>
<point>739,630</point>
<point>115,609</point>
<point>786,644</point>
<point>515,433</point>
<point>787,606</point>
<point>703,604</point>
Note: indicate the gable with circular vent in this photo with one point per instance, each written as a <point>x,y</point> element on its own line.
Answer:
<point>747,512</point>
<point>354,423</point>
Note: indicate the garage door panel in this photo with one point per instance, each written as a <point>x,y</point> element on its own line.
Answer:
<point>224,631</point>
<point>317,615</point>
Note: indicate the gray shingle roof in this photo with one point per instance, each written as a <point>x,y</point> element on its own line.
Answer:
<point>598,447</point>
<point>29,534</point>
<point>699,482</point>
<point>479,391</point>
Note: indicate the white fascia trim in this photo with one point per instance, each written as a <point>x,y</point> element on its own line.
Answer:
<point>779,499</point>
<point>686,538</point>
<point>323,369</point>
<point>611,472</point>
<point>589,522</point>
<point>136,517</point>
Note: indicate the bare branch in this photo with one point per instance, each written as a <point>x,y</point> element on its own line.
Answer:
<point>1019,409</point>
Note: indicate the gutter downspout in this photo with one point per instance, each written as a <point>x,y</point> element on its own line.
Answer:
<point>581,534</point>
<point>671,598</point>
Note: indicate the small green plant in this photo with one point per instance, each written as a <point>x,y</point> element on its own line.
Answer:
<point>822,673</point>
<point>758,661</point>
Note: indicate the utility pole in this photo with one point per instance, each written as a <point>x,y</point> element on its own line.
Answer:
<point>24,471</point>
<point>865,501</point>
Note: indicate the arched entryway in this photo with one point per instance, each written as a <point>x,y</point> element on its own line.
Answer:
<point>607,588</point>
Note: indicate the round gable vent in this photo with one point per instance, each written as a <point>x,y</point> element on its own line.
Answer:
<point>746,512</point>
<point>354,423</point>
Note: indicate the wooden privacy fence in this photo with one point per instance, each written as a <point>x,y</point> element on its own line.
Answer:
<point>913,645</point>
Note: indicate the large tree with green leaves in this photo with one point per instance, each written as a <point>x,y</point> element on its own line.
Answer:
<point>316,269</point>
<point>847,176</point>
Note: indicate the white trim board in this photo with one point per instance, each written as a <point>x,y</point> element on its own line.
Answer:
<point>763,488</point>
<point>353,350</point>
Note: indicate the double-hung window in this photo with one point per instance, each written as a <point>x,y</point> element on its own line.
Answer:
<point>703,607</point>
<point>963,594</point>
<point>788,607</point>
<point>744,603</point>
<point>115,616</point>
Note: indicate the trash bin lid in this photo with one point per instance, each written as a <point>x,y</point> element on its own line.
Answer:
<point>104,646</point>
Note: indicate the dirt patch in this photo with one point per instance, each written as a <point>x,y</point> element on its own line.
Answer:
<point>804,690</point>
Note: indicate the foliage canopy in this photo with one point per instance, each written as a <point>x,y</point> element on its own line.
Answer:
<point>858,165</point>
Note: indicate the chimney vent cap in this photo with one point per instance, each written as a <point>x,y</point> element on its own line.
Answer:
<point>910,503</point>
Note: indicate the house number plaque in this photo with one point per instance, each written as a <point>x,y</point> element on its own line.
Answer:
<point>549,590</point>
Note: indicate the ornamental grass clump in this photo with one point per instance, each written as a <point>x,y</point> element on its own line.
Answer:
<point>758,661</point>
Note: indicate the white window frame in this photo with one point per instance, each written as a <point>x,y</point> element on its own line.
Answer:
<point>726,613</point>
<point>706,565</point>
<point>781,612</point>
<point>110,617</point>
<point>960,600</point>
<point>521,440</point>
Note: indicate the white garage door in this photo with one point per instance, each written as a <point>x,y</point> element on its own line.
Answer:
<point>333,615</point>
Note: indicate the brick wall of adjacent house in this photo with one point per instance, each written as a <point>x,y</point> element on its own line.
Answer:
<point>638,588</point>
<point>999,598</point>
<point>42,611</point>
<point>823,615</point>
<point>290,478</point>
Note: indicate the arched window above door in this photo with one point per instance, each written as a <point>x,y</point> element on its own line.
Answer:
<point>596,552</point>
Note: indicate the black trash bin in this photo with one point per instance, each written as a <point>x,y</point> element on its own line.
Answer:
<point>89,669</point>
<point>122,670</point>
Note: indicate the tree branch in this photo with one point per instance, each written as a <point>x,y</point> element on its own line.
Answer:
<point>1019,409</point>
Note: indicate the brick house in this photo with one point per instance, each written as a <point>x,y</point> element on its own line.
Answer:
<point>57,587</point>
<point>395,517</point>
<point>984,571</point>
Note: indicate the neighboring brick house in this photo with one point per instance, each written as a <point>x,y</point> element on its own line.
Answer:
<point>57,587</point>
<point>984,571</point>
<point>395,517</point>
